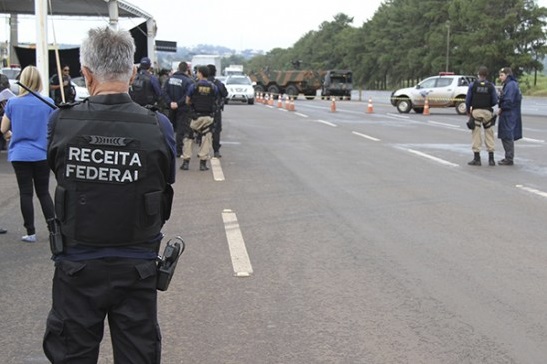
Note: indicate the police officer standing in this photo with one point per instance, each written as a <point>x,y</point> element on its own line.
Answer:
<point>114,162</point>
<point>202,99</point>
<point>480,100</point>
<point>145,88</point>
<point>175,90</point>
<point>219,107</point>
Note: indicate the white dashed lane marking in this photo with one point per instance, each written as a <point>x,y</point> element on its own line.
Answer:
<point>238,251</point>
<point>218,175</point>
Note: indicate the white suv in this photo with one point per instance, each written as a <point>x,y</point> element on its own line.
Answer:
<point>240,88</point>
<point>444,90</point>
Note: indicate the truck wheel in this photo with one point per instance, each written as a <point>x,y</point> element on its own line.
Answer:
<point>404,106</point>
<point>274,90</point>
<point>292,91</point>
<point>259,88</point>
<point>418,110</point>
<point>461,109</point>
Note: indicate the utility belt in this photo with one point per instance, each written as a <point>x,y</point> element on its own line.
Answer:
<point>486,125</point>
<point>196,115</point>
<point>166,263</point>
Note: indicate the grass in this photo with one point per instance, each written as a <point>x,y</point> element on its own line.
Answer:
<point>526,83</point>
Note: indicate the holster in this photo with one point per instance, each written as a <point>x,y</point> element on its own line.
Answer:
<point>471,123</point>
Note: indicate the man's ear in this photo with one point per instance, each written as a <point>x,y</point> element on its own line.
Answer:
<point>133,75</point>
<point>88,76</point>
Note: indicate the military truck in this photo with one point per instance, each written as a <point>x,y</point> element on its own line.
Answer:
<point>338,83</point>
<point>292,83</point>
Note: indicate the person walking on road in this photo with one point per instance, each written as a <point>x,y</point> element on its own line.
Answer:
<point>114,162</point>
<point>480,100</point>
<point>24,124</point>
<point>510,118</point>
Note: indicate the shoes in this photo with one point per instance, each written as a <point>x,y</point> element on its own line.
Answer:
<point>505,162</point>
<point>217,155</point>
<point>185,165</point>
<point>491,162</point>
<point>29,238</point>
<point>475,162</point>
<point>203,165</point>
<point>3,231</point>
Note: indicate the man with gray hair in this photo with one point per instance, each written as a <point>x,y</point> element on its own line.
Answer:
<point>114,162</point>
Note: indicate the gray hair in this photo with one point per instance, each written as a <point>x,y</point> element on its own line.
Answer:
<point>108,54</point>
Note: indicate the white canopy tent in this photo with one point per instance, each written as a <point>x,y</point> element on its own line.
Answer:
<point>113,9</point>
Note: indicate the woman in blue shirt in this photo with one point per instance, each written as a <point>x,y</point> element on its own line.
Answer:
<point>24,124</point>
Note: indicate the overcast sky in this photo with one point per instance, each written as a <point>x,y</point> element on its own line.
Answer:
<point>239,25</point>
<point>242,24</point>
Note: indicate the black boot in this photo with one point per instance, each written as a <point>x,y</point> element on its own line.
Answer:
<point>185,164</point>
<point>491,161</point>
<point>476,161</point>
<point>203,165</point>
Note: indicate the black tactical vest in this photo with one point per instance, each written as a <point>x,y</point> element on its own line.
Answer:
<point>203,99</point>
<point>482,98</point>
<point>111,169</point>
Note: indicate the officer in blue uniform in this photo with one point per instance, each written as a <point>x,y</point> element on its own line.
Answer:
<point>174,95</point>
<point>114,162</point>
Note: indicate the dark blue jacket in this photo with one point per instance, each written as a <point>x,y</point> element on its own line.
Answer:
<point>176,88</point>
<point>510,119</point>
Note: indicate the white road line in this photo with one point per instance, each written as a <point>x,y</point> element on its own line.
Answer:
<point>366,136</point>
<point>443,124</point>
<point>532,190</point>
<point>397,116</point>
<point>326,123</point>
<point>438,160</point>
<point>533,140</point>
<point>238,252</point>
<point>300,114</point>
<point>218,175</point>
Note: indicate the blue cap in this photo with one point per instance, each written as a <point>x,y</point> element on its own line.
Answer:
<point>145,62</point>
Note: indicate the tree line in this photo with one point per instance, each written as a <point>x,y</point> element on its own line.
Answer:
<point>408,40</point>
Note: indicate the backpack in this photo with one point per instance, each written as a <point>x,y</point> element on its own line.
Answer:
<point>141,90</point>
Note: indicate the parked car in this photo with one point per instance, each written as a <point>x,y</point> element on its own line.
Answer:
<point>80,87</point>
<point>240,88</point>
<point>444,90</point>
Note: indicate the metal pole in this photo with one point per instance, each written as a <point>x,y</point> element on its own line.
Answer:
<point>447,43</point>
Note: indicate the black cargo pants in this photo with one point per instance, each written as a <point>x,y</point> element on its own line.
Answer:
<point>85,293</point>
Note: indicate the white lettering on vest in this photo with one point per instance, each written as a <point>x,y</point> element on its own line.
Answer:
<point>102,165</point>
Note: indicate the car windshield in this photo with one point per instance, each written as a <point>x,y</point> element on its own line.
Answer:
<point>238,81</point>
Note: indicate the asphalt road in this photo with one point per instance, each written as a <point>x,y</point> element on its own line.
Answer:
<point>334,237</point>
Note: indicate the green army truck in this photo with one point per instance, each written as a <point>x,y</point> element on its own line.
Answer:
<point>337,83</point>
<point>292,83</point>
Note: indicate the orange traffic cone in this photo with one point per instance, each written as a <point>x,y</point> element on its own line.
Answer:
<point>333,105</point>
<point>271,100</point>
<point>280,101</point>
<point>370,108</point>
<point>426,107</point>
<point>291,105</point>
